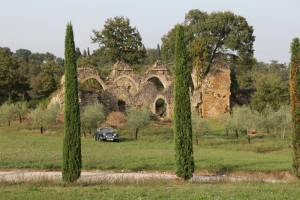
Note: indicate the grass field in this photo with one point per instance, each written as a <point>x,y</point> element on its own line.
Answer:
<point>151,190</point>
<point>22,147</point>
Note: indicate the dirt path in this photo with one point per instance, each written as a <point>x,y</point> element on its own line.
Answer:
<point>111,177</point>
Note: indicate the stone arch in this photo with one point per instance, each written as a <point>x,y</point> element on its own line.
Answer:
<point>85,73</point>
<point>162,79</point>
<point>97,78</point>
<point>153,107</point>
<point>129,78</point>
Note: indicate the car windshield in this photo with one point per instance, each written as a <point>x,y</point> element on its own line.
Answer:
<point>107,130</point>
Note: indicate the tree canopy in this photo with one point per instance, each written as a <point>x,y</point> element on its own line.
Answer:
<point>120,40</point>
<point>13,84</point>
<point>211,36</point>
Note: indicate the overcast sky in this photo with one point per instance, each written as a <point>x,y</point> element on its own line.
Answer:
<point>39,26</point>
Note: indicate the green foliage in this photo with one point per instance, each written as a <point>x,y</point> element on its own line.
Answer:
<point>21,109</point>
<point>71,167</point>
<point>43,117</point>
<point>42,72</point>
<point>217,37</point>
<point>283,118</point>
<point>151,56</point>
<point>13,85</point>
<point>92,116</point>
<point>210,35</point>
<point>52,113</point>
<point>243,118</point>
<point>7,112</point>
<point>200,126</point>
<point>182,110</point>
<point>47,81</point>
<point>271,86</point>
<point>158,52</point>
<point>268,121</point>
<point>38,117</point>
<point>120,41</point>
<point>295,103</point>
<point>137,118</point>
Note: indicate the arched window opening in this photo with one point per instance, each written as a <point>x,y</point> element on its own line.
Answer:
<point>90,85</point>
<point>158,84</point>
<point>122,105</point>
<point>161,108</point>
<point>89,92</point>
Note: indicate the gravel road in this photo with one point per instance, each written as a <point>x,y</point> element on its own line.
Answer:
<point>111,177</point>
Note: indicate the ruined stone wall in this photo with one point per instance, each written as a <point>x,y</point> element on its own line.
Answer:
<point>134,89</point>
<point>216,92</point>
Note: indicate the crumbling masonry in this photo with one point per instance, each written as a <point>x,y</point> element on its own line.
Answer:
<point>125,88</point>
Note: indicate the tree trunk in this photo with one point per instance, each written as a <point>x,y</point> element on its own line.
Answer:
<point>236,134</point>
<point>20,119</point>
<point>226,132</point>
<point>41,129</point>
<point>283,134</point>
<point>249,139</point>
<point>197,140</point>
<point>136,130</point>
<point>8,122</point>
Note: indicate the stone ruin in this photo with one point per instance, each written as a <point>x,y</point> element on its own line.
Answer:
<point>125,88</point>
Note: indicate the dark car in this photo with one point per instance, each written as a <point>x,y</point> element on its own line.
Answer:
<point>106,134</point>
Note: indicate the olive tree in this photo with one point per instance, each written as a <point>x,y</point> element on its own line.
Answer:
<point>91,117</point>
<point>283,120</point>
<point>7,112</point>
<point>200,126</point>
<point>44,117</point>
<point>21,109</point>
<point>243,118</point>
<point>137,118</point>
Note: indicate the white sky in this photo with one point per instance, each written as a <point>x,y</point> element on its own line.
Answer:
<point>39,25</point>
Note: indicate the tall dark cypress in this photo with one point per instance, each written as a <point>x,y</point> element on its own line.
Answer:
<point>182,110</point>
<point>71,167</point>
<point>295,103</point>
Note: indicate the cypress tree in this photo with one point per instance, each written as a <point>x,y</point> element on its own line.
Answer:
<point>295,103</point>
<point>71,167</point>
<point>182,110</point>
<point>158,52</point>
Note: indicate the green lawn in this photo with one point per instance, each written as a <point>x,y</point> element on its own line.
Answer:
<point>151,190</point>
<point>22,147</point>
